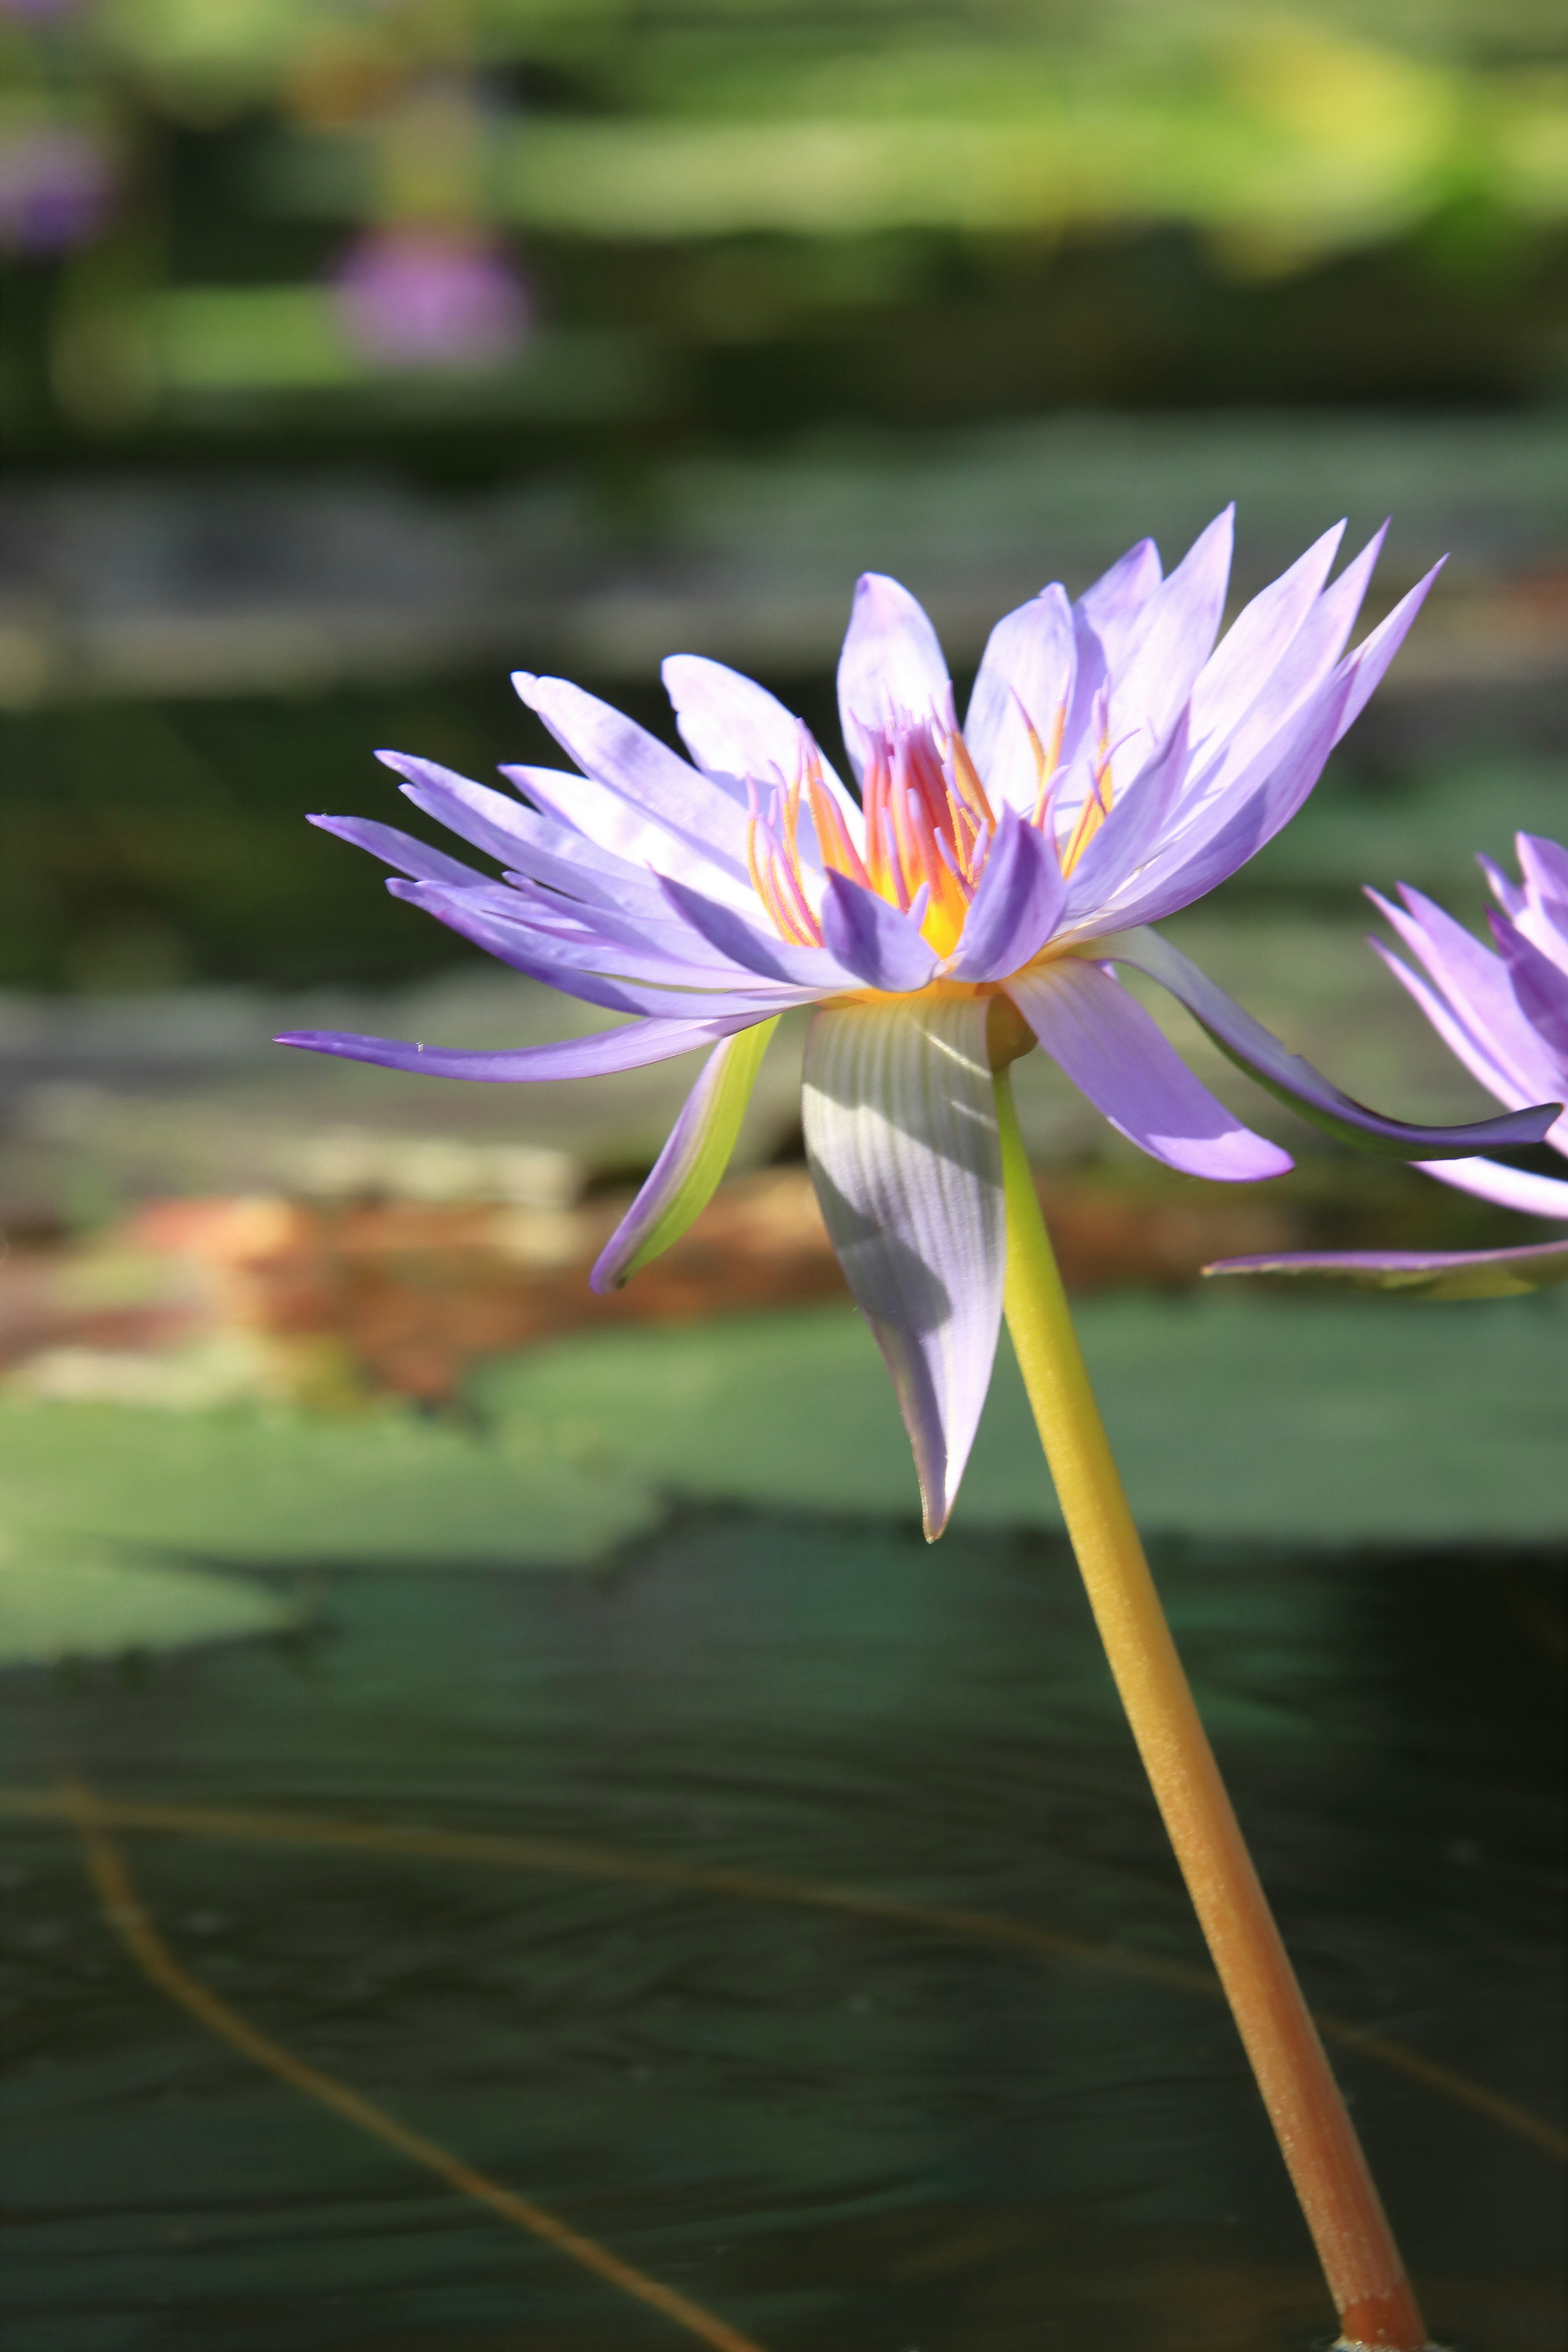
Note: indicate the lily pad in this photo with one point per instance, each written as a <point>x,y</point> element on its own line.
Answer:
<point>1329,1420</point>
<point>250,1484</point>
<point>57,1604</point>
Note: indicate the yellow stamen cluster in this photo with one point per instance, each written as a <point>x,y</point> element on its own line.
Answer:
<point>927,826</point>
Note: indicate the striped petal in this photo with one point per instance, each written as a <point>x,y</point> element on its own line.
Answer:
<point>1251,1047</point>
<point>688,1171</point>
<point>1419,1274</point>
<point>899,1111</point>
<point>1112,1052</point>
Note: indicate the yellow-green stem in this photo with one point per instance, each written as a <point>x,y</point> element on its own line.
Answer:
<point>1355,2245</point>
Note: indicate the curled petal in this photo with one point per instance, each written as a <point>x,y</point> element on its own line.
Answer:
<point>891,665</point>
<point>1113,1051</point>
<point>632,1047</point>
<point>1016,905</point>
<point>1419,1274</point>
<point>881,946</point>
<point>901,1131</point>
<point>688,1171</point>
<point>1252,1048</point>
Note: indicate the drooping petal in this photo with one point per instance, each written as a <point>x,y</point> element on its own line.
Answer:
<point>1016,905</point>
<point>632,1047</point>
<point>871,939</point>
<point>735,731</point>
<point>1023,687</point>
<point>688,1171</point>
<point>901,1131</point>
<point>891,667</point>
<point>1510,1188</point>
<point>1418,1274</point>
<point>1252,1048</point>
<point>1113,1051</point>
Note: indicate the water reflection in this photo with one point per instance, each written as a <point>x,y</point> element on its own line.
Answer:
<point>822,2124</point>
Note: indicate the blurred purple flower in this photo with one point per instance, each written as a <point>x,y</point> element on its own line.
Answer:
<point>1114,765</point>
<point>39,12</point>
<point>55,188</point>
<point>413,297</point>
<point>1506,1017</point>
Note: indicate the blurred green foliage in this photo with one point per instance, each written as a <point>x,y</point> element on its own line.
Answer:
<point>777,212</point>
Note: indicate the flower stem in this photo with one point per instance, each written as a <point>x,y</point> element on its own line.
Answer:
<point>1316,2139</point>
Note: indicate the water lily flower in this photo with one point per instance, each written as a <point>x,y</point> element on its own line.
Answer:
<point>1506,1017</point>
<point>967,903</point>
<point>412,296</point>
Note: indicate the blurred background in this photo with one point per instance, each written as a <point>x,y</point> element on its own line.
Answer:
<point>356,352</point>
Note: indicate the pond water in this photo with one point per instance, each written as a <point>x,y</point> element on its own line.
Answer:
<point>783,1913</point>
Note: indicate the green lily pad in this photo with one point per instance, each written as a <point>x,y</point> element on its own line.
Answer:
<point>246,1484</point>
<point>57,1602</point>
<point>1332,1420</point>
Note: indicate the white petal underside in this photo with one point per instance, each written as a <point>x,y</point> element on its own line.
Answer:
<point>899,1111</point>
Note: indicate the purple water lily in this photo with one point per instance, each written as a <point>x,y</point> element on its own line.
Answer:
<point>1506,1017</point>
<point>968,903</point>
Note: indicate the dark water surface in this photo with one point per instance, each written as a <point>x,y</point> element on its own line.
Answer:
<point>828,2129</point>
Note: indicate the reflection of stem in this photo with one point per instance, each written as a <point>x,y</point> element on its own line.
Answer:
<point>1355,2246</point>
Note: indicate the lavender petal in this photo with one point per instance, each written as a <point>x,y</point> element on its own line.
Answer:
<point>872,940</point>
<point>687,1172</point>
<point>1286,1075</point>
<point>892,664</point>
<point>1111,1050</point>
<point>632,1047</point>
<point>1016,905</point>
<point>1418,1274</point>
